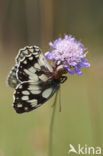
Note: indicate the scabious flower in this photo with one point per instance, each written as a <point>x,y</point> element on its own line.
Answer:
<point>70,52</point>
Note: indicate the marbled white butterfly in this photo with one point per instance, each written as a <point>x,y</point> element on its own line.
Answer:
<point>34,80</point>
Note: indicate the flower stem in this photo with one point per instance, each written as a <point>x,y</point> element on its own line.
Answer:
<point>51,126</point>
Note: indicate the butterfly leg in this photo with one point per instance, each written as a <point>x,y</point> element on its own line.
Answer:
<point>46,71</point>
<point>63,79</point>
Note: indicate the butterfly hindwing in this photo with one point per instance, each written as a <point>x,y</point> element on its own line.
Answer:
<point>30,95</point>
<point>12,78</point>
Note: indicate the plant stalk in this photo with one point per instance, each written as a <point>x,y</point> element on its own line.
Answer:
<point>51,126</point>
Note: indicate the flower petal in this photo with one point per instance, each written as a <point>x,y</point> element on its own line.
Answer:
<point>48,55</point>
<point>77,70</point>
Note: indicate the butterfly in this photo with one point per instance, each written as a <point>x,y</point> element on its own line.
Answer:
<point>34,79</point>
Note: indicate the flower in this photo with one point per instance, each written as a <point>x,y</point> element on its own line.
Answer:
<point>70,52</point>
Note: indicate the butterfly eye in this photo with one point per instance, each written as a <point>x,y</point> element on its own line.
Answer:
<point>58,63</point>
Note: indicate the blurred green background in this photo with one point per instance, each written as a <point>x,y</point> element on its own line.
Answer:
<point>36,22</point>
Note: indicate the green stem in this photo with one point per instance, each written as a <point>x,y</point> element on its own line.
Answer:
<point>51,126</point>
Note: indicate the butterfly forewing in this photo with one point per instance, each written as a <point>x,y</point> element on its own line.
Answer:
<point>30,95</point>
<point>32,67</point>
<point>26,51</point>
<point>12,79</point>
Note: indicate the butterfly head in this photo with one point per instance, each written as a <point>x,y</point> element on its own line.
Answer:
<point>59,73</point>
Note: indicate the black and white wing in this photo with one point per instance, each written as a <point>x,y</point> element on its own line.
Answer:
<point>35,87</point>
<point>32,67</point>
<point>26,51</point>
<point>31,95</point>
<point>12,78</point>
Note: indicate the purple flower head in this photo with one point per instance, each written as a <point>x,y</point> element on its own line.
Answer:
<point>70,52</point>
